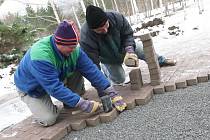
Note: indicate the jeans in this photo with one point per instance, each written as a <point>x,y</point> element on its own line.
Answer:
<point>116,73</point>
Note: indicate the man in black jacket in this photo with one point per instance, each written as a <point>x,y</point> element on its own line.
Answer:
<point>107,38</point>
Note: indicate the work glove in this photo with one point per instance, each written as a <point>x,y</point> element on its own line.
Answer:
<point>131,59</point>
<point>117,100</point>
<point>88,106</point>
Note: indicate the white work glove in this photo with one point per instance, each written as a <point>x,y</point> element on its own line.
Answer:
<point>131,59</point>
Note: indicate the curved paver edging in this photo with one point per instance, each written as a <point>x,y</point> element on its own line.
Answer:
<point>170,86</point>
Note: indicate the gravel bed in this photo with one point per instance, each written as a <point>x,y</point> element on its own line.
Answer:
<point>182,114</point>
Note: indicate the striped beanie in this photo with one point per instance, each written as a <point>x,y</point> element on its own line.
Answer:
<point>66,34</point>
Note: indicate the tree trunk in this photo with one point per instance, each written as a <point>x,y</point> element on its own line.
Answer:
<point>132,7</point>
<point>128,11</point>
<point>104,6</point>
<point>83,6</point>
<point>78,23</point>
<point>54,11</point>
<point>113,6</point>
<point>116,5</point>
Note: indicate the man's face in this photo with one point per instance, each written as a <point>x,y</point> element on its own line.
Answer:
<point>66,50</point>
<point>103,29</point>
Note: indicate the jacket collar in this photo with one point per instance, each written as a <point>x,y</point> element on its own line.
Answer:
<point>57,52</point>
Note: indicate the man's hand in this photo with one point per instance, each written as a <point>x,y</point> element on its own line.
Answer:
<point>131,60</point>
<point>117,100</point>
<point>88,106</point>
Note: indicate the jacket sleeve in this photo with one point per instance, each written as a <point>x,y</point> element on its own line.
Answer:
<point>126,32</point>
<point>89,45</point>
<point>47,76</point>
<point>90,71</point>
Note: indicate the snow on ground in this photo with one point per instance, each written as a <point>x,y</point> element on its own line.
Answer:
<point>12,110</point>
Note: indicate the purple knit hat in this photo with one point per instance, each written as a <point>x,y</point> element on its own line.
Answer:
<point>66,34</point>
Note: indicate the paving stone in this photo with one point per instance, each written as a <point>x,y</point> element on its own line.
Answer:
<point>108,117</point>
<point>202,78</point>
<point>155,76</point>
<point>12,134</point>
<point>56,131</point>
<point>130,63</point>
<point>144,96</point>
<point>192,81</point>
<point>130,104</point>
<point>36,129</point>
<point>136,79</point>
<point>149,56</point>
<point>149,50</point>
<point>145,37</point>
<point>151,60</point>
<point>155,82</point>
<point>93,121</point>
<point>27,136</point>
<point>135,87</point>
<point>181,84</point>
<point>170,87</point>
<point>148,43</point>
<point>51,135</point>
<point>159,89</point>
<point>155,71</point>
<point>78,124</point>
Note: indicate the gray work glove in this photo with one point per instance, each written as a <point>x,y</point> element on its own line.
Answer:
<point>88,106</point>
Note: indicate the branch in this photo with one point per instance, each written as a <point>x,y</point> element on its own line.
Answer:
<point>55,12</point>
<point>52,24</point>
<point>41,17</point>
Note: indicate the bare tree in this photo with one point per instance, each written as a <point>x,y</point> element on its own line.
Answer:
<point>83,6</point>
<point>55,11</point>
<point>75,15</point>
<point>116,5</point>
<point>104,6</point>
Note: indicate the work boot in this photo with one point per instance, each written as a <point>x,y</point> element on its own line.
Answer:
<point>168,62</point>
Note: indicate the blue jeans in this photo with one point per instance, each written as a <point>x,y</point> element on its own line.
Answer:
<point>116,73</point>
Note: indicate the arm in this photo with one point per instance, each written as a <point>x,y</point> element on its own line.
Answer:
<point>126,31</point>
<point>90,71</point>
<point>47,76</point>
<point>88,42</point>
<point>93,53</point>
<point>98,80</point>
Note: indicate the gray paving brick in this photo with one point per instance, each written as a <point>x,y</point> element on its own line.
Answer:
<point>159,89</point>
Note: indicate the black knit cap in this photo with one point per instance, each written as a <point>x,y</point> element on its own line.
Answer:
<point>95,17</point>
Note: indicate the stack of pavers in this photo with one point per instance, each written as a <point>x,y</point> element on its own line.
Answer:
<point>151,59</point>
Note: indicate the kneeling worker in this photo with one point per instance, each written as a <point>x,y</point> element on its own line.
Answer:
<point>47,63</point>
